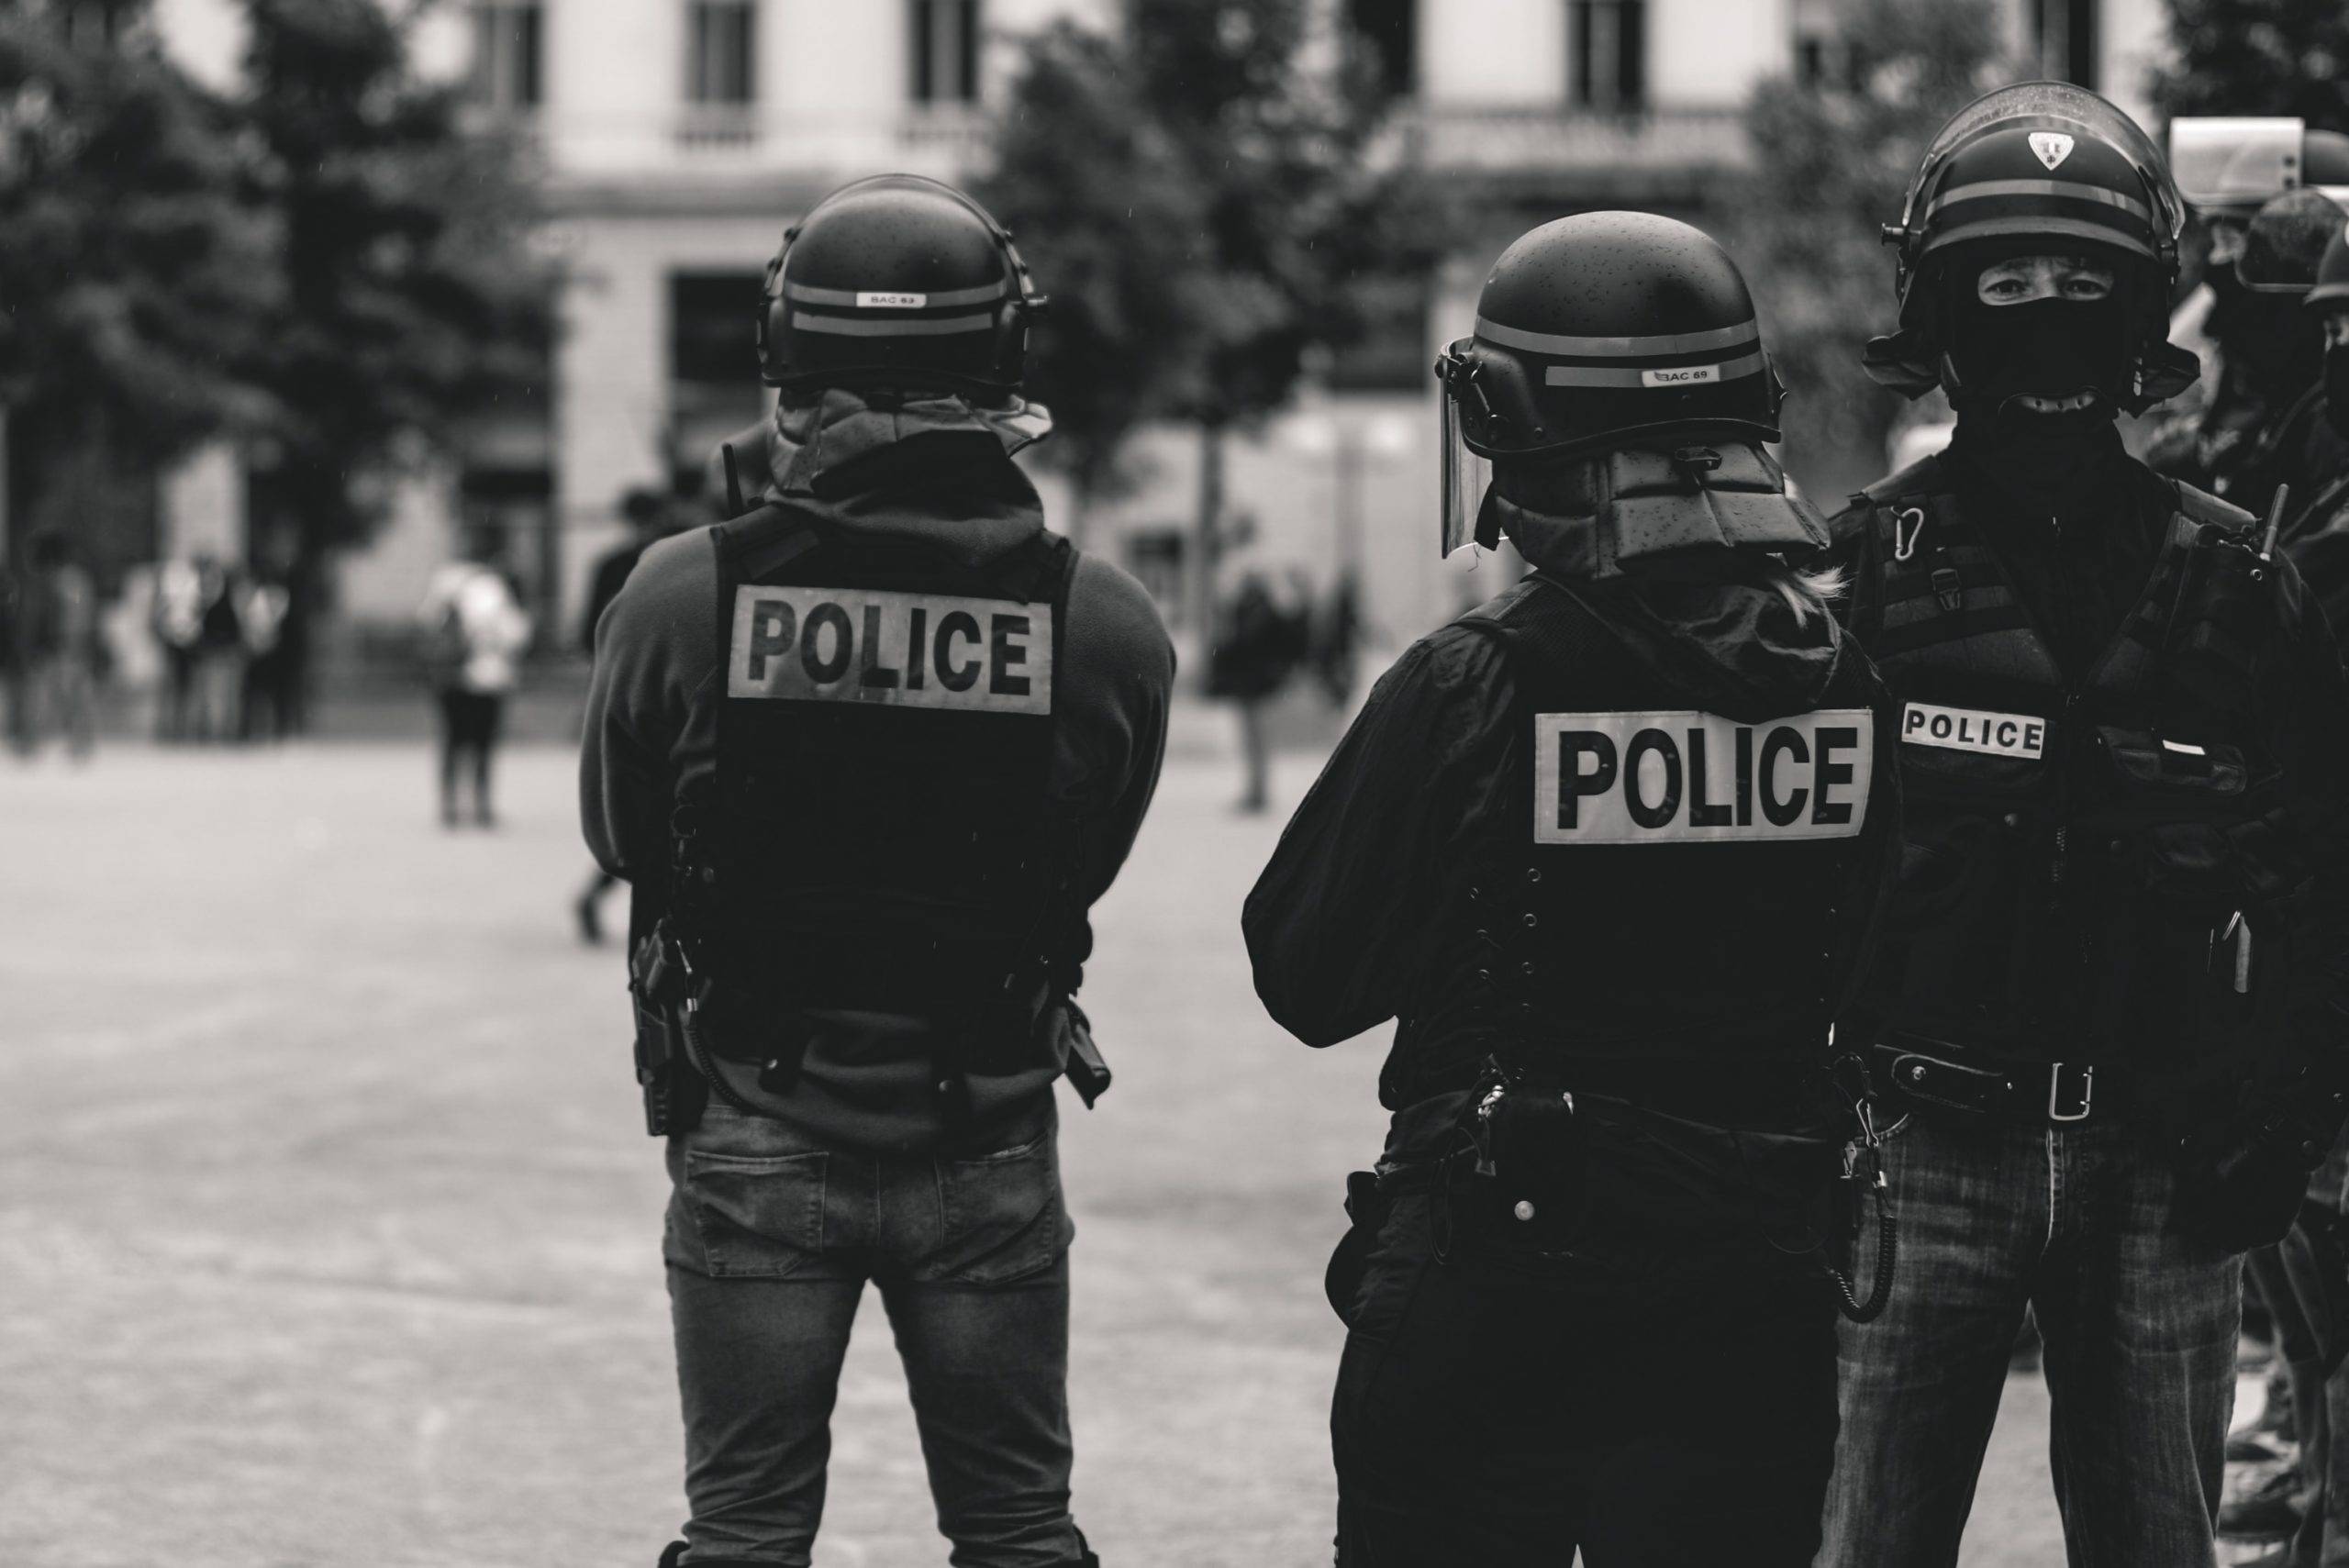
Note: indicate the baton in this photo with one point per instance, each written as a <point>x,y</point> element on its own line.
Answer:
<point>2275,522</point>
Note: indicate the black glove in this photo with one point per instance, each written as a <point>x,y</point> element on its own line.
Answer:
<point>2240,1188</point>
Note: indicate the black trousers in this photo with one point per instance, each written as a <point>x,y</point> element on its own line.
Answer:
<point>1647,1406</point>
<point>469,725</point>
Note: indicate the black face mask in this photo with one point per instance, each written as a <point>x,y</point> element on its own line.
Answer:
<point>2049,348</point>
<point>2336,388</point>
<point>2280,352</point>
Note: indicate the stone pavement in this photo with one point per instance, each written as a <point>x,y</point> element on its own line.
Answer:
<point>328,1229</point>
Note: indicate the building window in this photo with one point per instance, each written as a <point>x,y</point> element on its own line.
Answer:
<point>944,35</point>
<point>2067,36</point>
<point>92,22</point>
<point>1387,33</point>
<point>711,318</point>
<point>1608,68</point>
<point>508,55</point>
<point>721,51</point>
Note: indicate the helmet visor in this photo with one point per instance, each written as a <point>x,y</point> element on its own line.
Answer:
<point>1465,475</point>
<point>2053,105</point>
<point>2226,160</point>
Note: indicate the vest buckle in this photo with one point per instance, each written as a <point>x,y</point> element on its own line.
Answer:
<point>1949,588</point>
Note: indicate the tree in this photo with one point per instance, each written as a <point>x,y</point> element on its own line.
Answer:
<point>413,298</point>
<point>1239,204</point>
<point>1832,163</point>
<point>135,269</point>
<point>1103,210</point>
<point>2259,57</point>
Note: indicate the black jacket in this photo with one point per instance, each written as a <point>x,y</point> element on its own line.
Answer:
<point>1368,909</point>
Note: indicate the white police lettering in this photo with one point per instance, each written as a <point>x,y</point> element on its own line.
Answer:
<point>867,300</point>
<point>1688,777</point>
<point>1973,729</point>
<point>1680,375</point>
<point>809,644</point>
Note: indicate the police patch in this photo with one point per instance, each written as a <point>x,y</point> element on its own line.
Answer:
<point>810,644</point>
<point>1974,729</point>
<point>1689,777</point>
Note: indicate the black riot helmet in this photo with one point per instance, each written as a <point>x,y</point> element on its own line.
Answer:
<point>2285,242</point>
<point>1602,330</point>
<point>897,281</point>
<point>2332,290</point>
<point>2043,167</point>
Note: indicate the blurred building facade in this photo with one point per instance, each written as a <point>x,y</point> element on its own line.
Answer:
<point>679,137</point>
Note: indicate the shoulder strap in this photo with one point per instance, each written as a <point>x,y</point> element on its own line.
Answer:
<point>1920,478</point>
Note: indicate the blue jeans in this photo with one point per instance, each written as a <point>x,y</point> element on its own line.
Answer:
<point>770,1242</point>
<point>2138,1319</point>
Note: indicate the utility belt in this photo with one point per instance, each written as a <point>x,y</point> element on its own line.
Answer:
<point>1519,1174</point>
<point>675,1060</point>
<point>2058,1093</point>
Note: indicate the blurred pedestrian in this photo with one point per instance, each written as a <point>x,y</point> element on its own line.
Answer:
<point>1257,647</point>
<point>868,754</point>
<point>649,517</point>
<point>12,660</point>
<point>475,630</point>
<point>59,640</point>
<point>220,673</point>
<point>177,621</point>
<point>265,706</point>
<point>1336,632</point>
<point>1585,1298</point>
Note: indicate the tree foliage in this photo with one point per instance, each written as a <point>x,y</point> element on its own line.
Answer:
<point>2259,57</point>
<point>1832,162</point>
<point>1204,195</point>
<point>413,298</point>
<point>136,271</point>
<point>326,265</point>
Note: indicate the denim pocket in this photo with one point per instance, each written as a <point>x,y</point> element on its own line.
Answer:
<point>757,1215</point>
<point>1001,1215</point>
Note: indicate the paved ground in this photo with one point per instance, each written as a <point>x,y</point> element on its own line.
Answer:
<point>328,1229</point>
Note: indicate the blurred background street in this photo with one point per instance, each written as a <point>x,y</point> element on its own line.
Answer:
<point>329,1232</point>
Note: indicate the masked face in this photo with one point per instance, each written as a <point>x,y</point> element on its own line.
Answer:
<point>2040,338</point>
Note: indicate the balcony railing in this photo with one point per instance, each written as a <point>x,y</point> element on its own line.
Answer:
<point>721,129</point>
<point>1546,139</point>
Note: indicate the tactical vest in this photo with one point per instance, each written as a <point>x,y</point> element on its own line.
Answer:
<point>877,834</point>
<point>1664,888</point>
<point>2088,856</point>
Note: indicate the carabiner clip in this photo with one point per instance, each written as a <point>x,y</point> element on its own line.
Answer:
<point>1911,520</point>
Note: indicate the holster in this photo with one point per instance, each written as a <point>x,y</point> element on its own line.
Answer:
<point>1088,1071</point>
<point>674,1092</point>
<point>1535,1160</point>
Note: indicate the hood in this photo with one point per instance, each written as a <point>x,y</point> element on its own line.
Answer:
<point>932,465</point>
<point>1736,648</point>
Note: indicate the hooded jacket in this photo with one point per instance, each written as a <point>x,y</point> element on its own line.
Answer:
<point>938,468</point>
<point>1379,902</point>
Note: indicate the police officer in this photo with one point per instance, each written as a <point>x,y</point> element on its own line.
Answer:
<point>2320,542</point>
<point>868,754</point>
<point>2112,988</point>
<point>2275,433</point>
<point>1607,847</point>
<point>2230,169</point>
